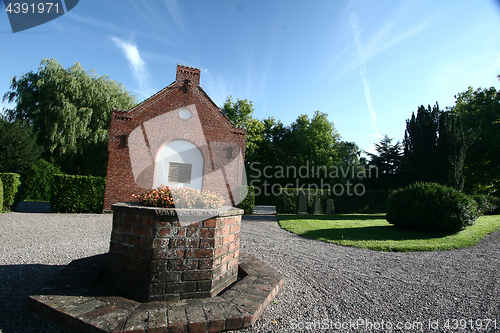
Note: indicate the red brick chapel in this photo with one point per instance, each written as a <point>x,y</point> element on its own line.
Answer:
<point>177,137</point>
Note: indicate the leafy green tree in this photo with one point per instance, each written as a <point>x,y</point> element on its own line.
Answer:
<point>255,139</point>
<point>313,140</point>
<point>386,164</point>
<point>239,112</point>
<point>269,149</point>
<point>481,109</point>
<point>275,152</point>
<point>18,147</point>
<point>69,110</point>
<point>349,153</point>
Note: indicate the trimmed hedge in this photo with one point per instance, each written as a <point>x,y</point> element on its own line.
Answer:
<point>487,204</point>
<point>1,196</point>
<point>78,194</point>
<point>38,180</point>
<point>248,203</point>
<point>430,206</point>
<point>369,203</point>
<point>265,200</point>
<point>287,200</point>
<point>11,182</point>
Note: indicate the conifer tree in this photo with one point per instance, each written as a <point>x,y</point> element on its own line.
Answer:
<point>420,145</point>
<point>435,147</point>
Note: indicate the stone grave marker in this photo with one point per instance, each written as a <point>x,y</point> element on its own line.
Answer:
<point>302,204</point>
<point>329,206</point>
<point>317,207</point>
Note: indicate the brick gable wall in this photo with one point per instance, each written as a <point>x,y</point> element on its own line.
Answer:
<point>146,128</point>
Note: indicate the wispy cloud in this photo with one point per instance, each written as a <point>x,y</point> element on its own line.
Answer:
<point>175,11</point>
<point>356,32</point>
<point>392,29</point>
<point>95,23</point>
<point>138,65</point>
<point>220,84</point>
<point>111,27</point>
<point>217,88</point>
<point>165,17</point>
<point>256,67</point>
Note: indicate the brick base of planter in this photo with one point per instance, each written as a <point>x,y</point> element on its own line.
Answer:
<point>74,302</point>
<point>161,254</point>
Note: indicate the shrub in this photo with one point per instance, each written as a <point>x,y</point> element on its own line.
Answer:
<point>38,180</point>
<point>11,182</point>
<point>368,203</point>
<point>287,200</point>
<point>265,200</point>
<point>160,197</point>
<point>77,194</point>
<point>180,197</point>
<point>429,206</point>
<point>248,203</point>
<point>1,196</point>
<point>487,204</point>
<point>185,197</point>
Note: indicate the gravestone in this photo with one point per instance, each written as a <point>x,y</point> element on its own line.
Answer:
<point>329,206</point>
<point>302,203</point>
<point>317,207</point>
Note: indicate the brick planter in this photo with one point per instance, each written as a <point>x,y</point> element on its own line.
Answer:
<point>161,254</point>
<point>72,301</point>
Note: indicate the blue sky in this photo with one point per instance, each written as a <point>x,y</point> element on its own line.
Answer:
<point>367,64</point>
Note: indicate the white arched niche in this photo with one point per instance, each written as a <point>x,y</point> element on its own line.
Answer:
<point>179,163</point>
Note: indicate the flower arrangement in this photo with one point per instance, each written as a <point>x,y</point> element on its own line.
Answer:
<point>180,197</point>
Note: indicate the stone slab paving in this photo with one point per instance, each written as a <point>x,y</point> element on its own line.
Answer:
<point>72,300</point>
<point>264,210</point>
<point>34,207</point>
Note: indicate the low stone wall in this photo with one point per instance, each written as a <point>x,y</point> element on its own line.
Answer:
<point>160,254</point>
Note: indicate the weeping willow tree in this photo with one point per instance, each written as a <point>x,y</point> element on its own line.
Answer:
<point>69,111</point>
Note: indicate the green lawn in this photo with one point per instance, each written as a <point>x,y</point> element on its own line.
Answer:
<point>375,233</point>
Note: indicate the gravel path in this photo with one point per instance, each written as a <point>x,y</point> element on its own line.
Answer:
<point>325,284</point>
<point>33,248</point>
<point>361,290</point>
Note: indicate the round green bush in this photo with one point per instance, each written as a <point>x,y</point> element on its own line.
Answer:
<point>432,207</point>
<point>487,204</point>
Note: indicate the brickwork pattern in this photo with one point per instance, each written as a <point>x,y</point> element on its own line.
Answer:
<point>216,134</point>
<point>155,257</point>
<point>236,308</point>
